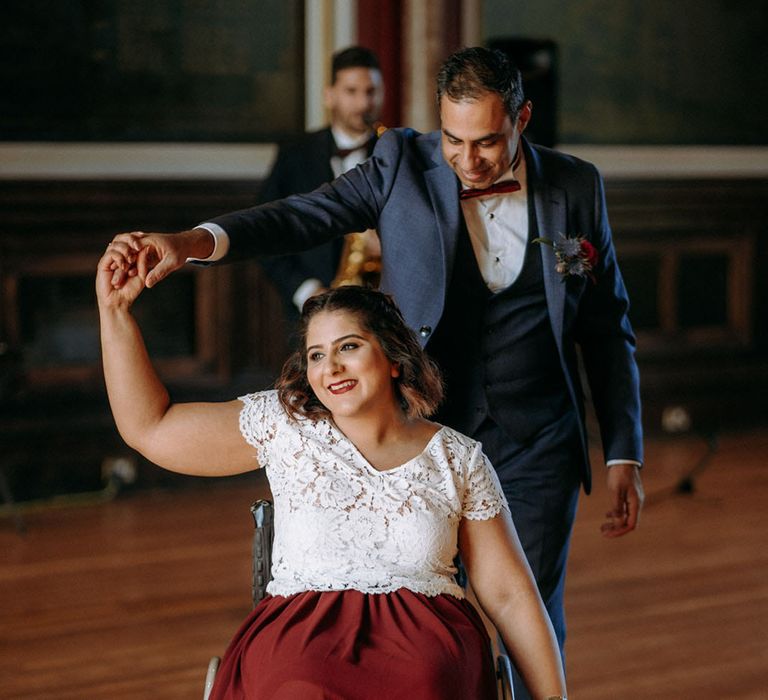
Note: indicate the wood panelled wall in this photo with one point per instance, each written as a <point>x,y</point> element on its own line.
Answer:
<point>692,252</point>
<point>215,332</point>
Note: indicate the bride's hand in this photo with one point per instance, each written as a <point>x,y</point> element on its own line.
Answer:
<point>118,283</point>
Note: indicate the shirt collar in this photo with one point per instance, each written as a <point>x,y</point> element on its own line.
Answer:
<point>345,141</point>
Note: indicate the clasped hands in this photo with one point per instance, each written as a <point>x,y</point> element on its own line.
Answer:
<point>133,261</point>
<point>153,256</point>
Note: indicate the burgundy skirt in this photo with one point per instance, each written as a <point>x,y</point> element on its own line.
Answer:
<point>347,645</point>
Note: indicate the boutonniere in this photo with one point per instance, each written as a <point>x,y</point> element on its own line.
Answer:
<point>574,255</point>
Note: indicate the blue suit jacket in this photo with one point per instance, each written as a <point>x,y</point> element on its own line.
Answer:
<point>408,193</point>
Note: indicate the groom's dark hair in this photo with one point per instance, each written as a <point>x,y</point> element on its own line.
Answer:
<point>472,72</point>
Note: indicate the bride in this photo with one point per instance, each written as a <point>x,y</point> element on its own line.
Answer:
<point>372,504</point>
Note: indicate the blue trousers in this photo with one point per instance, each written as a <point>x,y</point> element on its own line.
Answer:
<point>541,483</point>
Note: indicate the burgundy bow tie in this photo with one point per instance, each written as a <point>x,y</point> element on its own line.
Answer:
<point>496,188</point>
<point>344,152</point>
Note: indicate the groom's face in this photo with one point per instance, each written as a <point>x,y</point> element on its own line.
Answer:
<point>479,139</point>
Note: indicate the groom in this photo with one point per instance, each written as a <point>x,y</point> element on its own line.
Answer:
<point>499,254</point>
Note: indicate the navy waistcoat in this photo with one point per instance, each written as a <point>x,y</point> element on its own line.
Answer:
<point>498,353</point>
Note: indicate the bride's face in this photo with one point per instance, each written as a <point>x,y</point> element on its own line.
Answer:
<point>346,366</point>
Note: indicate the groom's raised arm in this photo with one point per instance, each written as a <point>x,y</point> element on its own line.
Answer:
<point>350,203</point>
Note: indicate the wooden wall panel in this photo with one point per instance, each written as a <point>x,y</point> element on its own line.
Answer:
<point>678,240</point>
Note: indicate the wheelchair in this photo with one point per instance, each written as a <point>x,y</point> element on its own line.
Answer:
<point>263,537</point>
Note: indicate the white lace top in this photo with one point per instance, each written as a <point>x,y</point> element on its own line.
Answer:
<point>341,524</point>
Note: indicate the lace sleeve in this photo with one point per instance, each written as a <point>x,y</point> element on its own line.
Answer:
<point>260,418</point>
<point>483,497</point>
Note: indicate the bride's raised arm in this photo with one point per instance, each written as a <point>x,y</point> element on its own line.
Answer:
<point>192,438</point>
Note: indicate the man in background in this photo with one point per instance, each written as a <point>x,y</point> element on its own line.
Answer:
<point>353,99</point>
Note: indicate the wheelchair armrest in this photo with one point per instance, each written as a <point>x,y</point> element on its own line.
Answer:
<point>210,676</point>
<point>504,677</point>
<point>263,537</point>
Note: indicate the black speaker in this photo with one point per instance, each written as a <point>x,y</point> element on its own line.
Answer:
<point>537,61</point>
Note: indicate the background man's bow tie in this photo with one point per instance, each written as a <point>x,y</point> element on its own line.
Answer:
<point>344,152</point>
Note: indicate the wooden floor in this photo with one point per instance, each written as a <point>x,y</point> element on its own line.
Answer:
<point>129,598</point>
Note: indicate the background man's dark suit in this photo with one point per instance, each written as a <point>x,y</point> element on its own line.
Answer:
<point>302,165</point>
<point>511,358</point>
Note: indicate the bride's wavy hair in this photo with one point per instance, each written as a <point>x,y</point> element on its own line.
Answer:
<point>419,387</point>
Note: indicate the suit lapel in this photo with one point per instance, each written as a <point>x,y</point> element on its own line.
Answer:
<point>444,194</point>
<point>322,161</point>
<point>550,207</point>
<point>371,145</point>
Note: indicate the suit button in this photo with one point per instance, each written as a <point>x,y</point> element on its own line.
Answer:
<point>424,331</point>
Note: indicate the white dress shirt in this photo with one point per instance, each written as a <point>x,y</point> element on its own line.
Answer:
<point>341,165</point>
<point>498,230</point>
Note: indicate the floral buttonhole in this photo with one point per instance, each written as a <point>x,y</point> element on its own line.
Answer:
<point>574,255</point>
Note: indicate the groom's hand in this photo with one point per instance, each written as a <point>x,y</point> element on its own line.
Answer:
<point>625,489</point>
<point>165,253</point>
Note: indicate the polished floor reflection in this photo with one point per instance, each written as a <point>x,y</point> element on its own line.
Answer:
<point>128,598</point>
